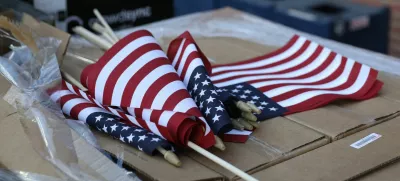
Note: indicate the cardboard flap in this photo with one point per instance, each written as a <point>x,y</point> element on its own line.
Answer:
<point>340,161</point>
<point>285,135</point>
<point>331,120</point>
<point>273,140</point>
<point>374,108</point>
<point>156,165</point>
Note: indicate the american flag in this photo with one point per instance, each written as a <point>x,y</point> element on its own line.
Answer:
<point>136,76</point>
<point>193,68</point>
<point>302,75</point>
<point>98,118</point>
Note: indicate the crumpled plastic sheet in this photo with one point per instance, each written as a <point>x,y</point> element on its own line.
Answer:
<point>43,122</point>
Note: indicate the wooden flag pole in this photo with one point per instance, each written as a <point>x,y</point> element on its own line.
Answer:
<point>91,37</point>
<point>101,30</point>
<point>170,156</point>
<point>105,24</point>
<point>221,162</point>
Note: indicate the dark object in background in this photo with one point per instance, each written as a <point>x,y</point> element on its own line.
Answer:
<point>20,6</point>
<point>262,8</point>
<point>182,7</point>
<point>119,14</point>
<point>355,24</point>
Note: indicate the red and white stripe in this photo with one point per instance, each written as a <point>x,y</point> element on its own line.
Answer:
<point>136,75</point>
<point>300,76</point>
<point>185,56</point>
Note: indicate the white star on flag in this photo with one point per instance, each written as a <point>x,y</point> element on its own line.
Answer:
<point>260,107</point>
<point>113,128</point>
<point>205,82</point>
<point>255,97</point>
<point>214,92</point>
<point>130,137</point>
<point>202,92</point>
<point>105,128</point>
<point>195,87</point>
<point>201,104</point>
<point>216,118</point>
<point>155,139</point>
<point>141,149</point>
<point>247,91</point>
<point>125,128</point>
<point>243,96</point>
<point>235,91</point>
<point>264,103</point>
<point>210,99</point>
<point>208,111</point>
<point>252,102</point>
<point>219,108</point>
<point>110,119</point>
<point>121,138</point>
<point>273,109</point>
<point>239,86</point>
<point>142,138</point>
<point>197,76</point>
<point>98,118</point>
<point>138,130</point>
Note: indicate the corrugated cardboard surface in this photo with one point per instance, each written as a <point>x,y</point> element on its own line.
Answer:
<point>346,117</point>
<point>339,161</point>
<point>387,173</point>
<point>155,167</point>
<point>274,141</point>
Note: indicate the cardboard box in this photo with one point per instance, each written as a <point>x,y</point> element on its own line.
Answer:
<point>339,160</point>
<point>275,141</point>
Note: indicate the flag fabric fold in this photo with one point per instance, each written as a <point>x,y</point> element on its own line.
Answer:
<point>136,76</point>
<point>193,69</point>
<point>79,108</point>
<point>302,75</point>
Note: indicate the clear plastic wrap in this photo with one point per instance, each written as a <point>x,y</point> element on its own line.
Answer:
<point>69,146</point>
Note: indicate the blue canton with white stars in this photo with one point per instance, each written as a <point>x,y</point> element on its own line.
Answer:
<point>205,95</point>
<point>137,137</point>
<point>247,93</point>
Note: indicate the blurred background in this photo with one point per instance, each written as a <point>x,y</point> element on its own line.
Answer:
<point>369,24</point>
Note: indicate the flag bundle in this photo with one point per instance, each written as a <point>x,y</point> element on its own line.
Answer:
<point>302,75</point>
<point>136,76</point>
